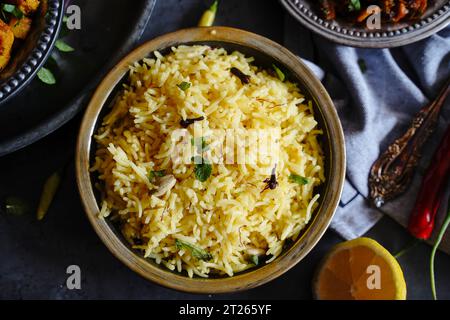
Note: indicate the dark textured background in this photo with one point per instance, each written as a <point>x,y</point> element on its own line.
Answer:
<point>34,255</point>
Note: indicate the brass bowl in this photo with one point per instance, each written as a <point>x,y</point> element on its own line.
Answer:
<point>265,52</point>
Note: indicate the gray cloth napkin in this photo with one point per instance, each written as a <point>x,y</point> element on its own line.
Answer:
<point>375,107</point>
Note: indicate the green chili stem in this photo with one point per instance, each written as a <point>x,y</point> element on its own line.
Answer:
<point>214,6</point>
<point>435,247</point>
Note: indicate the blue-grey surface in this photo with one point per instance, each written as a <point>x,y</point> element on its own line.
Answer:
<point>35,255</point>
<point>376,105</point>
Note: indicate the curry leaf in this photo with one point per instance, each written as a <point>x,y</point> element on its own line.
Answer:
<point>203,168</point>
<point>12,9</point>
<point>63,47</point>
<point>354,5</point>
<point>46,76</point>
<point>195,251</point>
<point>184,85</point>
<point>298,179</point>
<point>279,73</point>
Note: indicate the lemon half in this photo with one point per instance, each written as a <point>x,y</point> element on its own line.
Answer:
<point>359,269</point>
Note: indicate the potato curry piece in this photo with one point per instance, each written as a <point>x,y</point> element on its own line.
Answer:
<point>20,27</point>
<point>6,43</point>
<point>28,7</point>
<point>357,10</point>
<point>16,18</point>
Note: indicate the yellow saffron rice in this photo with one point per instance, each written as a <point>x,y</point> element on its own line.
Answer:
<point>235,218</point>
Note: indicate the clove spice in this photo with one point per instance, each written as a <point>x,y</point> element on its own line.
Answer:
<point>245,79</point>
<point>186,123</point>
<point>272,181</point>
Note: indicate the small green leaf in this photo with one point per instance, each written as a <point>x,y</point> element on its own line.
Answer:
<point>157,174</point>
<point>12,9</point>
<point>203,168</point>
<point>298,179</point>
<point>195,251</point>
<point>354,5</point>
<point>362,65</point>
<point>184,85</point>
<point>255,259</point>
<point>46,76</point>
<point>63,47</point>
<point>8,8</point>
<point>279,73</point>
<point>15,206</point>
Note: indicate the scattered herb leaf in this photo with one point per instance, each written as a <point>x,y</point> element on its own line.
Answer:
<point>203,168</point>
<point>255,259</point>
<point>156,174</point>
<point>46,76</point>
<point>12,9</point>
<point>279,73</point>
<point>298,179</point>
<point>245,79</point>
<point>354,5</point>
<point>362,65</point>
<point>195,251</point>
<point>184,85</point>
<point>15,206</point>
<point>63,47</point>
<point>8,8</point>
<point>186,123</point>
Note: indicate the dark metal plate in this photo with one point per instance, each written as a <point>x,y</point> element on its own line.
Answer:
<point>35,50</point>
<point>434,19</point>
<point>109,29</point>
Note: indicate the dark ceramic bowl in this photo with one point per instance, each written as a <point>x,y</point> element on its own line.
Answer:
<point>435,18</point>
<point>33,53</point>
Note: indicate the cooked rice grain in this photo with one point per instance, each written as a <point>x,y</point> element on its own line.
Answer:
<point>228,215</point>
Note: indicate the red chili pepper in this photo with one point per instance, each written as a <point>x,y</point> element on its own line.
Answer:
<point>422,218</point>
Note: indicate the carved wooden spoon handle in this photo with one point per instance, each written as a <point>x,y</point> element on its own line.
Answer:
<point>392,172</point>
